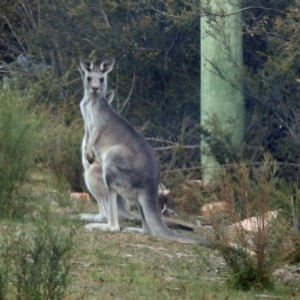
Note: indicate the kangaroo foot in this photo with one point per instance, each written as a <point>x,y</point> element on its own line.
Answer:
<point>93,217</point>
<point>136,230</point>
<point>100,226</point>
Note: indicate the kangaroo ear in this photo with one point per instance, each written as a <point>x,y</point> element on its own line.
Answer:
<point>86,65</point>
<point>107,65</point>
<point>110,96</point>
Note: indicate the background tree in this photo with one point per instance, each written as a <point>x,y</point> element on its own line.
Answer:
<point>221,85</point>
<point>156,45</point>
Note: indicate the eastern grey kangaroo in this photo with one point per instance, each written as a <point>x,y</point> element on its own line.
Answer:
<point>129,165</point>
<point>96,82</point>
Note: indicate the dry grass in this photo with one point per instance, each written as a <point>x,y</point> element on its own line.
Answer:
<point>106,265</point>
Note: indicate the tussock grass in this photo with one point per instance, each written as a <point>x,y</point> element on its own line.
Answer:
<point>47,255</point>
<point>253,192</point>
<point>104,265</point>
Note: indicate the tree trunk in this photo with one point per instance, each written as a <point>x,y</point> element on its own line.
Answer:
<point>221,62</point>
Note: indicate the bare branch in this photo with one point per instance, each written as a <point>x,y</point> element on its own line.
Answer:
<point>169,50</point>
<point>176,146</point>
<point>105,18</point>
<point>28,13</point>
<point>14,33</point>
<point>229,165</point>
<point>243,9</point>
<point>129,95</point>
<point>181,170</point>
<point>220,15</point>
<point>160,140</point>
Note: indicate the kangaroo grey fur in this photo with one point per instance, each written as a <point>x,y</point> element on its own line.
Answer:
<point>130,169</point>
<point>93,172</point>
<point>97,81</point>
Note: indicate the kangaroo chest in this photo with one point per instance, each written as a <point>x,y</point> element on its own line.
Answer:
<point>96,118</point>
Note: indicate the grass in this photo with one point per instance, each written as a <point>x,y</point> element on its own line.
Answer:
<point>108,265</point>
<point>46,254</point>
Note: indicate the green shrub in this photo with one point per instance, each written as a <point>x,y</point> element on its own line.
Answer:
<point>19,131</point>
<point>5,266</point>
<point>36,261</point>
<point>60,150</point>
<point>252,191</point>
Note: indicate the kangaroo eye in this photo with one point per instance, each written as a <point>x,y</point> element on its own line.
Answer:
<point>101,80</point>
<point>89,79</point>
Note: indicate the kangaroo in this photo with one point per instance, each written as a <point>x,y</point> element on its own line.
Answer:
<point>129,166</point>
<point>95,80</point>
<point>93,172</point>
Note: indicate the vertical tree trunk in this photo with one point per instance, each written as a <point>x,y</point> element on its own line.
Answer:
<point>221,61</point>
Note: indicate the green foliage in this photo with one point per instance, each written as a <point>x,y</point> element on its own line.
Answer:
<point>36,266</point>
<point>60,150</point>
<point>5,274</point>
<point>113,265</point>
<point>19,132</point>
<point>246,273</point>
<point>252,191</point>
<point>156,53</point>
<point>156,45</point>
<point>272,85</point>
<point>219,141</point>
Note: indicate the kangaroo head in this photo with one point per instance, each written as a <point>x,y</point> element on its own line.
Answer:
<point>95,76</point>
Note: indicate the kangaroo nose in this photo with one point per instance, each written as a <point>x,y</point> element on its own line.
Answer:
<point>95,88</point>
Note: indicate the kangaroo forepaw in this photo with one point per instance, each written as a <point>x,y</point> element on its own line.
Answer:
<point>91,160</point>
<point>90,157</point>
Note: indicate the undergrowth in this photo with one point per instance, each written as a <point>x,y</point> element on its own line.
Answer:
<point>35,262</point>
<point>253,250</point>
<point>19,132</point>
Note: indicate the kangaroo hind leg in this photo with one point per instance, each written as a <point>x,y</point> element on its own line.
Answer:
<point>111,210</point>
<point>94,182</point>
<point>145,228</point>
<point>112,216</point>
<point>124,212</point>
